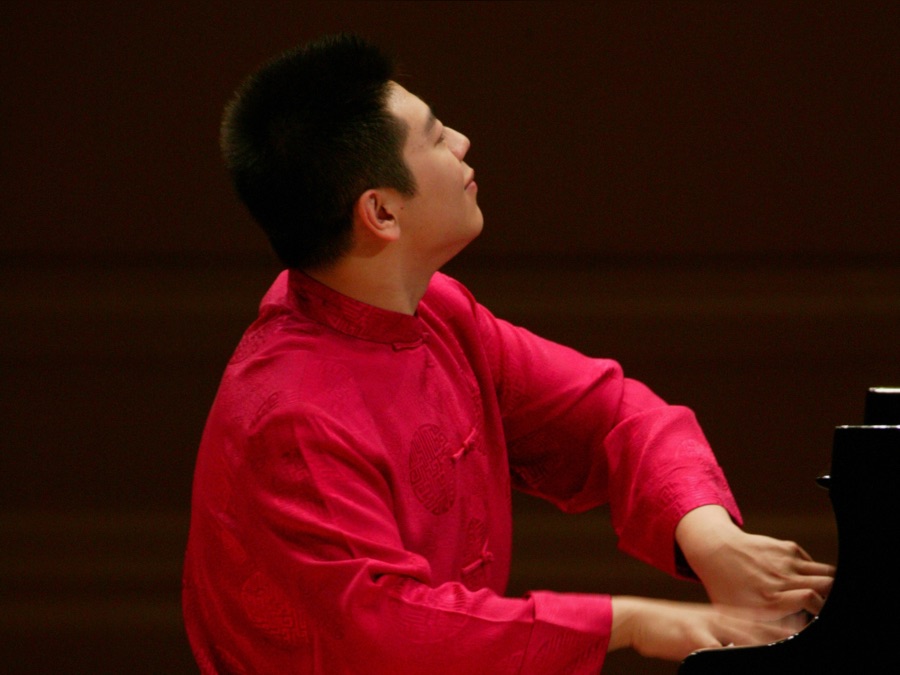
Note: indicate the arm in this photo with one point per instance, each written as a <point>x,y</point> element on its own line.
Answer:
<point>773,578</point>
<point>581,434</point>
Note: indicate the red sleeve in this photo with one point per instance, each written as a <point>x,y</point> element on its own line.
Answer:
<point>581,434</point>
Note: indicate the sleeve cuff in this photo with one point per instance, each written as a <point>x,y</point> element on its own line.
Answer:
<point>570,634</point>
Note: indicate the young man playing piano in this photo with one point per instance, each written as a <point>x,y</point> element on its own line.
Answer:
<point>351,506</point>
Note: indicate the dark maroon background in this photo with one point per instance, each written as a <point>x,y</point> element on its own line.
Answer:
<point>604,129</point>
<point>705,190</point>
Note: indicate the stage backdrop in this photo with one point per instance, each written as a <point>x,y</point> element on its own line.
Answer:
<point>705,191</point>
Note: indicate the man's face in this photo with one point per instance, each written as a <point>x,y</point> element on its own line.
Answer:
<point>443,216</point>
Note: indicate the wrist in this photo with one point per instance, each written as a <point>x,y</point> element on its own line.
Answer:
<point>702,532</point>
<point>624,609</point>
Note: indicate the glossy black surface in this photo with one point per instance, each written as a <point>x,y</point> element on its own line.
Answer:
<point>882,406</point>
<point>858,629</point>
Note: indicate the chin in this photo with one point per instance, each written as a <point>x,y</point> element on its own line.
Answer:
<point>478,223</point>
<point>476,230</point>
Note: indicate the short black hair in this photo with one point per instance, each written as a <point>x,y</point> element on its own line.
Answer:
<point>305,136</point>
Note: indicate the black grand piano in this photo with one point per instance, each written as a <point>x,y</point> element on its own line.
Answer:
<point>858,629</point>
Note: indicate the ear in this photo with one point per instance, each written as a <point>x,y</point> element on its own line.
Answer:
<point>376,213</point>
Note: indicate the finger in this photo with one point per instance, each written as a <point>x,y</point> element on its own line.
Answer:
<point>804,599</point>
<point>821,585</point>
<point>757,633</point>
<point>794,623</point>
<point>812,568</point>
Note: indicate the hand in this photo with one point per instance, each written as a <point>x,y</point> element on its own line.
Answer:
<point>769,577</point>
<point>671,630</point>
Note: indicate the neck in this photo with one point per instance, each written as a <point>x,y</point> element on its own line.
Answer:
<point>375,282</point>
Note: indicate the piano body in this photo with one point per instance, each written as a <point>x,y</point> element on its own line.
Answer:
<point>858,629</point>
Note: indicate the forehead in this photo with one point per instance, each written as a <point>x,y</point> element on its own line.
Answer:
<point>410,109</point>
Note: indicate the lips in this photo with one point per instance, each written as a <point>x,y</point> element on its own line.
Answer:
<point>471,178</point>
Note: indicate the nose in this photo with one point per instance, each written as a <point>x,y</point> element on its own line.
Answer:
<point>459,143</point>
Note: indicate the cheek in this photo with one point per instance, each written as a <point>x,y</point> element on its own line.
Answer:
<point>438,186</point>
<point>440,179</point>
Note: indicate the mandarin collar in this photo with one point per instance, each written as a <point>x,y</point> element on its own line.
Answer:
<point>352,317</point>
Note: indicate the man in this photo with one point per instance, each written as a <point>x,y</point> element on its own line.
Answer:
<point>351,508</point>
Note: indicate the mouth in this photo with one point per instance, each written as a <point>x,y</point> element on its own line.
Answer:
<point>470,182</point>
